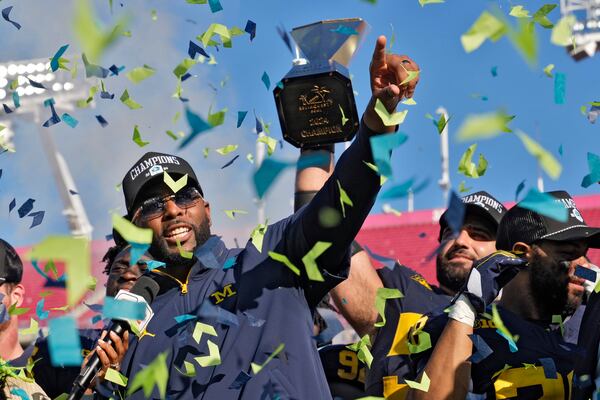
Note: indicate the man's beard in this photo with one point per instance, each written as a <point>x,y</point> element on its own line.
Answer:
<point>450,277</point>
<point>548,280</point>
<point>161,252</point>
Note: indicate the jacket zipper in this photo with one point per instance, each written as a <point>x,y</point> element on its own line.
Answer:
<point>183,285</point>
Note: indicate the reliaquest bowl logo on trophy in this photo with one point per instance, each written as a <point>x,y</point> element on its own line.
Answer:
<point>316,103</point>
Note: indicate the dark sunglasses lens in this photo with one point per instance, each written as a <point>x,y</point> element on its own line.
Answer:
<point>152,208</point>
<point>187,198</point>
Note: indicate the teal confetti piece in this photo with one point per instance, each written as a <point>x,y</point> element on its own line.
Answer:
<point>21,393</point>
<point>560,82</point>
<point>382,146</point>
<point>494,71</point>
<point>560,150</point>
<point>197,126</point>
<point>185,317</point>
<point>96,318</point>
<point>16,99</point>
<point>230,262</point>
<point>399,190</point>
<point>64,343</point>
<point>123,309</point>
<point>137,251</point>
<point>511,343</point>
<point>266,80</point>
<point>317,159</point>
<point>544,204</point>
<point>54,62</point>
<point>240,118</point>
<point>280,84</point>
<point>153,264</point>
<point>519,189</point>
<point>215,6</point>
<point>267,173</point>
<point>39,310</point>
<point>594,167</point>
<point>69,120</point>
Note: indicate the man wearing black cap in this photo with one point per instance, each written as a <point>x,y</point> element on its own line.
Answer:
<point>244,322</point>
<point>517,353</point>
<point>454,261</point>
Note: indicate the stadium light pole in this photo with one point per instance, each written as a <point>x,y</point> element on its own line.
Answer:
<point>66,91</point>
<point>586,30</point>
<point>444,182</point>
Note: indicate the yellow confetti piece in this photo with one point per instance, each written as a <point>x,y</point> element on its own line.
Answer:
<point>484,126</point>
<point>362,350</point>
<point>545,159</point>
<point>129,102</point>
<point>423,2</point>
<point>344,199</point>
<point>156,373</point>
<point>485,27</point>
<point>115,376</point>
<point>137,137</point>
<point>409,102</point>
<point>411,75</point>
<point>217,118</point>
<point>213,358</point>
<point>468,167</point>
<point>548,70</point>
<point>422,386</point>
<point>139,74</point>
<point>519,12</point>
<point>130,232</point>
<point>202,328</point>
<point>33,328</point>
<point>286,261</point>
<point>256,368</point>
<point>216,29</point>
<point>190,370</point>
<point>257,236</point>
<point>269,141</point>
<point>344,119</point>
<point>312,270</point>
<point>562,31</point>
<point>183,67</point>
<point>175,186</point>
<point>183,253</point>
<point>227,149</point>
<point>387,118</point>
<point>381,296</point>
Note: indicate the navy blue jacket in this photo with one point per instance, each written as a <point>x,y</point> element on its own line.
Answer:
<point>258,288</point>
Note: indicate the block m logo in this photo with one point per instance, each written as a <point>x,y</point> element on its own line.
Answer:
<point>220,295</point>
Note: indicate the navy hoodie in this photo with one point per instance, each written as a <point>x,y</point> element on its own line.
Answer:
<point>271,303</point>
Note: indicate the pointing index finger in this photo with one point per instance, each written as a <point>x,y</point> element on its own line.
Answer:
<point>378,60</point>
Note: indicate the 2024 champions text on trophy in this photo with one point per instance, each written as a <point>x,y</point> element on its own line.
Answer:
<point>316,103</point>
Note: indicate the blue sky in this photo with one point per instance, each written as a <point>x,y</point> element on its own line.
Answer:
<point>99,157</point>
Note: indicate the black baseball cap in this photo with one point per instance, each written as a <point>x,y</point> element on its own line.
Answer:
<point>479,203</point>
<point>11,267</point>
<point>150,167</point>
<point>527,226</point>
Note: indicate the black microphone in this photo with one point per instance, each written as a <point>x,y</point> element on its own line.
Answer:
<point>145,287</point>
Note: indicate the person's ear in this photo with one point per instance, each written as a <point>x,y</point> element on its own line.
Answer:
<point>17,295</point>
<point>522,249</point>
<point>207,210</point>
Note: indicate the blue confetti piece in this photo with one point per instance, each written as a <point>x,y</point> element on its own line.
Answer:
<point>209,310</point>
<point>64,343</point>
<point>520,188</point>
<point>54,119</point>
<point>482,349</point>
<point>97,308</point>
<point>215,6</point>
<point>545,204</point>
<point>39,310</point>
<point>74,193</point>
<point>264,176</point>
<point>114,70</point>
<point>26,208</point>
<point>6,108</point>
<point>194,49</point>
<point>455,214</point>
<point>250,29</point>
<point>69,120</point>
<point>185,317</point>
<point>12,205</point>
<point>197,126</point>
<point>240,380</point>
<point>230,262</point>
<point>382,146</point>
<point>16,99</point>
<point>38,218</point>
<point>123,309</point>
<point>205,255</point>
<point>49,102</point>
<point>108,237</point>
<point>585,273</point>
<point>285,37</point>
<point>317,159</point>
<point>6,16</point>
<point>153,264</point>
<point>511,343</point>
<point>36,84</point>
<point>266,80</point>
<point>259,126</point>
<point>494,71</point>
<point>594,168</point>
<point>186,76</point>
<point>240,118</point>
<point>20,393</point>
<point>54,62</point>
<point>136,252</point>
<point>422,235</point>
<point>107,95</point>
<point>549,367</point>
<point>345,30</point>
<point>230,162</point>
<point>60,280</point>
<point>560,82</point>
<point>560,150</point>
<point>388,262</point>
<point>103,122</point>
<point>96,319</point>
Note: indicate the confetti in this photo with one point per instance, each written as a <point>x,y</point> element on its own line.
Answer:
<point>69,120</point>
<point>382,295</point>
<point>562,31</point>
<point>269,141</point>
<point>115,376</point>
<point>256,368</point>
<point>519,12</point>
<point>137,137</point>
<point>54,62</point>
<point>312,269</point>
<point>103,122</point>
<point>175,186</point>
<point>197,126</point>
<point>362,350</point>
<point>422,386</point>
<point>520,188</point>
<point>250,29</point>
<point>227,149</point>
<point>548,70</point>
<point>139,74</point>
<point>6,15</point>
<point>545,159</point>
<point>240,118</point>
<point>265,79</point>
<point>286,261</point>
<point>63,342</point>
<point>585,273</point>
<point>25,208</point>
<point>485,27</point>
<point>423,2</point>
<point>387,118</point>
<point>215,6</point>
<point>129,102</point>
<point>240,380</point>
<point>560,81</point>
<point>123,309</point>
<point>484,126</point>
<point>156,373</point>
<point>468,167</point>
<point>230,162</point>
<point>482,349</point>
<point>231,213</point>
<point>382,146</point>
<point>344,199</point>
<point>593,161</point>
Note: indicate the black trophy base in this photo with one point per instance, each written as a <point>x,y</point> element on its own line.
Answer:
<point>316,105</point>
